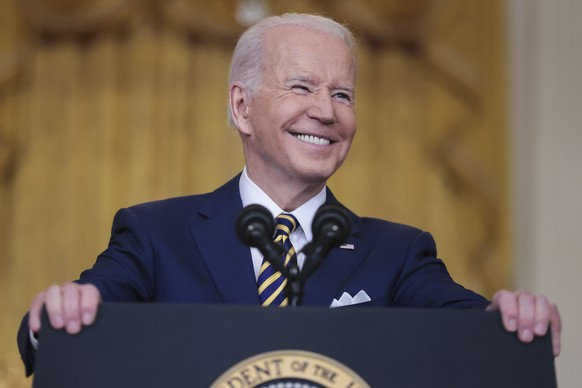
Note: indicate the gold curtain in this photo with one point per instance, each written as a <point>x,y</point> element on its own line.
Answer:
<point>108,103</point>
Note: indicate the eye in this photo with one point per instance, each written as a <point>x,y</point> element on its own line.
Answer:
<point>301,88</point>
<point>342,96</point>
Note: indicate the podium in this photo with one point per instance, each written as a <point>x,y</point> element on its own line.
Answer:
<point>232,346</point>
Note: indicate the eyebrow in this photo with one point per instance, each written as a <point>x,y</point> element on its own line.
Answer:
<point>307,79</point>
<point>301,78</point>
<point>349,88</point>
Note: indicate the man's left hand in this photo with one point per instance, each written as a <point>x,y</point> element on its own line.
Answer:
<point>529,315</point>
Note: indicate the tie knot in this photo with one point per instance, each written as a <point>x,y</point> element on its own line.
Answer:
<point>286,224</point>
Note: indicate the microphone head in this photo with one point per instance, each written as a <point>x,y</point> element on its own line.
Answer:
<point>254,223</point>
<point>331,222</point>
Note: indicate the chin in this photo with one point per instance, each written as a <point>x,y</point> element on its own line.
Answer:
<point>316,170</point>
<point>318,175</point>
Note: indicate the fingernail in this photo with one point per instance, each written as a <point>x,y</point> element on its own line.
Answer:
<point>58,321</point>
<point>512,324</point>
<point>86,318</point>
<point>526,335</point>
<point>73,327</point>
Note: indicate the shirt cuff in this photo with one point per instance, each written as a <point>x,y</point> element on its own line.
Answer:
<point>33,339</point>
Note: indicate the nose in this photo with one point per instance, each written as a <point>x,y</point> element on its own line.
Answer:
<point>322,109</point>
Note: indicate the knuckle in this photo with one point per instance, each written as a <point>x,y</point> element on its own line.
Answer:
<point>543,301</point>
<point>543,307</point>
<point>69,288</point>
<point>53,289</point>
<point>39,298</point>
<point>93,292</point>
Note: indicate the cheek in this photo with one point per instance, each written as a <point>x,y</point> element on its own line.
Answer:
<point>348,122</point>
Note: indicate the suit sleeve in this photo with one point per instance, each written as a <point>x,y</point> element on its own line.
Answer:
<point>124,272</point>
<point>425,282</point>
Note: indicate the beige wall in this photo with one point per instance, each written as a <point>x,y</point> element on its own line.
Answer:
<point>546,66</point>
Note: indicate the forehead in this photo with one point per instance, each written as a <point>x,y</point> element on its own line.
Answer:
<point>297,48</point>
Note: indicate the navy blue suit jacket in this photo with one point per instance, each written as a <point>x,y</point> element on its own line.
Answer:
<point>185,250</point>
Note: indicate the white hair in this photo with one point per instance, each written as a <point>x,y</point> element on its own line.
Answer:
<point>247,60</point>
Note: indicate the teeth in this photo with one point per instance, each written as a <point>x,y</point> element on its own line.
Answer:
<point>313,139</point>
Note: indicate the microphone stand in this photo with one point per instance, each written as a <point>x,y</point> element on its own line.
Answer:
<point>296,278</point>
<point>294,285</point>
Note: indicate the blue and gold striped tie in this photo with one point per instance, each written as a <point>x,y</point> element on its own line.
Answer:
<point>272,283</point>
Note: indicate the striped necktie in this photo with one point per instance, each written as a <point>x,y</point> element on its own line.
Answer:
<point>271,283</point>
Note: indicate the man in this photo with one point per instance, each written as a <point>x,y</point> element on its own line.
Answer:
<point>291,97</point>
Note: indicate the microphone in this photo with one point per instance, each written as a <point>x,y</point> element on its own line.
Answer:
<point>255,227</point>
<point>331,227</point>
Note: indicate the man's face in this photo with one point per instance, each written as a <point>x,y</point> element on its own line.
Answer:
<point>302,120</point>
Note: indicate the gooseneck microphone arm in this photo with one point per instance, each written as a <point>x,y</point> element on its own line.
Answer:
<point>255,227</point>
<point>331,227</point>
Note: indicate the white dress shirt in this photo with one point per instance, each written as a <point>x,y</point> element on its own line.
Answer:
<point>250,194</point>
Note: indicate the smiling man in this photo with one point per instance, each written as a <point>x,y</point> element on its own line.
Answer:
<point>298,126</point>
<point>291,97</point>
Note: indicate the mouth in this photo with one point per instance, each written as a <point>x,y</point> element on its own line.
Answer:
<point>316,140</point>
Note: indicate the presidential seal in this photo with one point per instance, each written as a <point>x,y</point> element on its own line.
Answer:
<point>289,369</point>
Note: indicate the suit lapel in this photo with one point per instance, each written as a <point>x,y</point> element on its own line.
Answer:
<point>230,264</point>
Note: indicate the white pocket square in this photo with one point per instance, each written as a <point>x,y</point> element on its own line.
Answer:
<point>347,300</point>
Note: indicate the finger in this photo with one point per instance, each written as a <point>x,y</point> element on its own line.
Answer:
<point>54,307</point>
<point>506,303</point>
<point>71,307</point>
<point>90,299</point>
<point>556,327</point>
<point>35,311</point>
<point>526,316</point>
<point>541,315</point>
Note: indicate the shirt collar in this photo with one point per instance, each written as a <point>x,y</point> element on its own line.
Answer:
<point>250,193</point>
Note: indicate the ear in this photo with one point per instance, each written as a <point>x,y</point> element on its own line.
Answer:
<point>239,101</point>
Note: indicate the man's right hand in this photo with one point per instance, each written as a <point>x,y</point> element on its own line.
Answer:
<point>70,307</point>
